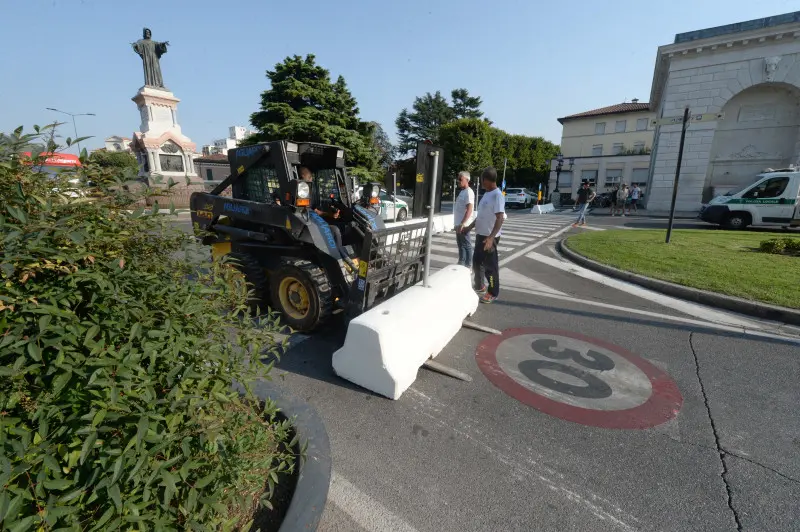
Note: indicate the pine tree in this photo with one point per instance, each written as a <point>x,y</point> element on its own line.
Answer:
<point>303,104</point>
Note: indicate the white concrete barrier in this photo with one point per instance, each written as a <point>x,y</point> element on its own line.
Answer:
<point>386,346</point>
<point>542,209</point>
<point>441,223</point>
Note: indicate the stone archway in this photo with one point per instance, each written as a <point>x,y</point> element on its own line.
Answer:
<point>761,129</point>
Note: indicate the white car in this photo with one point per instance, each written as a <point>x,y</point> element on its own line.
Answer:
<point>519,197</point>
<point>393,208</point>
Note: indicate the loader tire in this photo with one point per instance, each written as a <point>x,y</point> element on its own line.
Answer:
<point>256,277</point>
<point>301,291</point>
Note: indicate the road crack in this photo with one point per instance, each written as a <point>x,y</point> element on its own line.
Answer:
<point>723,454</point>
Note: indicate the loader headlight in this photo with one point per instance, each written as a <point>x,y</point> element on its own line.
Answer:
<point>302,194</point>
<point>303,190</point>
<point>372,191</point>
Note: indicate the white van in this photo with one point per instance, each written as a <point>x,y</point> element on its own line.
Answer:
<point>772,200</point>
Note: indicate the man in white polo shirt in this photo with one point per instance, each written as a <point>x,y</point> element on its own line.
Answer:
<point>463,211</point>
<point>488,224</point>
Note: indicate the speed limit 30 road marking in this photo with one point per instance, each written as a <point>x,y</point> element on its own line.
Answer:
<point>580,379</point>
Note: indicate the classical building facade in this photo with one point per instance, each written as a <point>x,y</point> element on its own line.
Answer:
<point>747,72</point>
<point>605,147</point>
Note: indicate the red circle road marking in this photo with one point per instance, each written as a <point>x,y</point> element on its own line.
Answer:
<point>664,403</point>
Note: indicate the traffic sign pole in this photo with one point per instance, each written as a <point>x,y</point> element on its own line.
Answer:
<point>685,124</point>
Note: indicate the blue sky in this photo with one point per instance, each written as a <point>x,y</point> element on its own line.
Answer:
<point>531,62</point>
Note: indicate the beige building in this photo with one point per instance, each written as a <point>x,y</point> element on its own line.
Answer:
<point>750,73</point>
<point>115,143</point>
<point>606,147</point>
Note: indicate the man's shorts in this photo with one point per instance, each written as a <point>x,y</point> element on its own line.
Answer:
<point>634,201</point>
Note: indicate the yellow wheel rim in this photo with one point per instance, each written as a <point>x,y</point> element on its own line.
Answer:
<point>294,298</point>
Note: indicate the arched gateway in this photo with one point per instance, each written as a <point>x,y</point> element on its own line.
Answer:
<point>748,71</point>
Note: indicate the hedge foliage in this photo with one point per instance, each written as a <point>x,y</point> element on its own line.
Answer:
<point>119,346</point>
<point>780,246</point>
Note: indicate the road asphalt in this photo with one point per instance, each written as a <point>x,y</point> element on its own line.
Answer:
<point>722,454</point>
<point>710,442</point>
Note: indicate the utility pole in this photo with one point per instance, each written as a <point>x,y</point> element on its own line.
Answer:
<point>74,126</point>
<point>684,125</point>
<point>505,163</point>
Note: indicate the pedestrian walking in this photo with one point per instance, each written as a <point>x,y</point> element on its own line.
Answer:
<point>636,193</point>
<point>488,224</point>
<point>585,196</point>
<point>463,211</point>
<point>613,198</point>
<point>622,199</point>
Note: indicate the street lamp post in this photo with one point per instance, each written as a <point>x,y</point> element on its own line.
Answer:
<point>74,127</point>
<point>556,192</point>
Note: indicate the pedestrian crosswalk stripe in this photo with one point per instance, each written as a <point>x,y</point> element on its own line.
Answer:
<point>544,225</point>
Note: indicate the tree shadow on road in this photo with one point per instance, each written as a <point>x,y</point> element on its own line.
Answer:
<point>686,327</point>
<point>312,358</point>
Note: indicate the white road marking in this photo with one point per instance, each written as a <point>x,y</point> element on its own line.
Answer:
<point>522,464</point>
<point>510,278</point>
<point>680,305</point>
<point>442,258</point>
<point>363,509</point>
<point>449,249</point>
<point>666,317</point>
<point>530,248</point>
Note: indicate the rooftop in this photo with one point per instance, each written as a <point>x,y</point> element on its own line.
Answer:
<point>739,27</point>
<point>610,110</point>
<point>215,158</point>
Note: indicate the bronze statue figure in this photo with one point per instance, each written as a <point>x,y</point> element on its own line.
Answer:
<point>151,51</point>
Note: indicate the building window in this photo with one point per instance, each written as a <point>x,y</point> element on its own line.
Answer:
<point>209,174</point>
<point>600,128</point>
<point>618,148</point>
<point>639,177</point>
<point>597,149</point>
<point>613,178</point>
<point>641,124</point>
<point>620,126</point>
<point>638,147</point>
<point>590,176</point>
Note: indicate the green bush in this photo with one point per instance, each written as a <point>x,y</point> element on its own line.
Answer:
<point>780,245</point>
<point>119,346</point>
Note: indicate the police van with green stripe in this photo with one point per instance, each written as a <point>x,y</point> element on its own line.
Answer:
<point>772,200</point>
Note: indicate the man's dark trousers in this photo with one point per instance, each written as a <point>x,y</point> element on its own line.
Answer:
<point>485,264</point>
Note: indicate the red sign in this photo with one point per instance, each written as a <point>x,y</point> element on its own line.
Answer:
<point>580,379</point>
<point>57,159</point>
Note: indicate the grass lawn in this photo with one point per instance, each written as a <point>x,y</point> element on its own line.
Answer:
<point>720,261</point>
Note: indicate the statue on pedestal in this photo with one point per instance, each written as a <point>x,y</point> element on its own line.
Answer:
<point>151,51</point>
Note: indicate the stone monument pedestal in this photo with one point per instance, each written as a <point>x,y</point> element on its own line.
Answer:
<point>162,150</point>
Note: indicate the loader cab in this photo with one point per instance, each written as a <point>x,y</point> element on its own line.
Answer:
<point>267,173</point>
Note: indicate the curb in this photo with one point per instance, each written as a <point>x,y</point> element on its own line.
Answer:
<point>313,483</point>
<point>704,297</point>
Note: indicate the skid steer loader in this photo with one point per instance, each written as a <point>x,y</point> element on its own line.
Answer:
<point>283,233</point>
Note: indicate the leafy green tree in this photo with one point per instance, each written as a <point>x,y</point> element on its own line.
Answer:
<point>464,105</point>
<point>429,113</point>
<point>303,104</point>
<point>386,149</point>
<point>472,144</point>
<point>120,160</point>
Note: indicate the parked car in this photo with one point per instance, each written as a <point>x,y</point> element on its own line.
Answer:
<point>407,196</point>
<point>393,208</point>
<point>519,197</point>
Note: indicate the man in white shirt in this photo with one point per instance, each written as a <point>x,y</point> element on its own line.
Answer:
<point>636,193</point>
<point>488,224</point>
<point>462,216</point>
